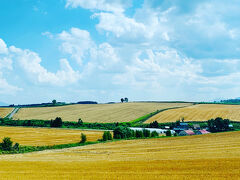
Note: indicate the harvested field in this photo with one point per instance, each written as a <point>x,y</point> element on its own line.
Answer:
<point>201,112</point>
<point>102,113</point>
<point>45,136</point>
<point>211,156</point>
<point>5,111</point>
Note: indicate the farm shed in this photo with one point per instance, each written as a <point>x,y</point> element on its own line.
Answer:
<point>202,132</point>
<point>186,133</point>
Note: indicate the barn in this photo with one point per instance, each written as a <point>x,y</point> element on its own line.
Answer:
<point>186,133</point>
<point>202,132</point>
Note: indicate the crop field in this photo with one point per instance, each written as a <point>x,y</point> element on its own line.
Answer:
<point>45,136</point>
<point>211,156</point>
<point>5,111</point>
<point>101,113</point>
<point>201,112</point>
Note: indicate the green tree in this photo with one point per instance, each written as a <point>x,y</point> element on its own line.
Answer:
<point>146,133</point>
<point>57,122</point>
<point>168,133</point>
<point>121,132</point>
<point>54,102</point>
<point>154,124</point>
<point>154,134</point>
<point>7,144</point>
<point>83,138</point>
<point>80,121</point>
<point>139,134</point>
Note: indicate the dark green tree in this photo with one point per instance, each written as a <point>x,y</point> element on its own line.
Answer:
<point>83,138</point>
<point>121,132</point>
<point>154,134</point>
<point>139,134</point>
<point>154,124</point>
<point>168,133</point>
<point>7,144</point>
<point>57,122</point>
<point>146,133</point>
<point>54,102</point>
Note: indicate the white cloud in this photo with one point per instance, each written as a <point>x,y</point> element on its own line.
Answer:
<point>3,47</point>
<point>104,5</point>
<point>77,42</point>
<point>30,62</point>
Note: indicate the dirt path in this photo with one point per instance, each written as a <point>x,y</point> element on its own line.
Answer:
<point>12,113</point>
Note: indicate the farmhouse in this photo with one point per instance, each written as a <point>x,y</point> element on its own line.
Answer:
<point>186,133</point>
<point>202,132</point>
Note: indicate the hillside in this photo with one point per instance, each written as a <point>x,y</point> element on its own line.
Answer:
<point>46,136</point>
<point>5,111</point>
<point>103,113</point>
<point>201,112</point>
<point>211,156</point>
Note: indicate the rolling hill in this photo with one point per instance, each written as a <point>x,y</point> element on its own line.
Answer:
<point>102,113</point>
<point>201,112</point>
<point>212,156</point>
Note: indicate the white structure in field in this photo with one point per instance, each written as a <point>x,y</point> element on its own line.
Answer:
<point>159,131</point>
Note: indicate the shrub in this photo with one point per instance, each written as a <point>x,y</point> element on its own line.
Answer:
<point>83,138</point>
<point>107,136</point>
<point>6,144</point>
<point>168,133</point>
<point>154,134</point>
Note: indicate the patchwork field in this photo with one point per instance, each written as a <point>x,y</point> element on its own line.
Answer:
<point>5,111</point>
<point>102,113</point>
<point>44,136</point>
<point>212,156</point>
<point>201,112</point>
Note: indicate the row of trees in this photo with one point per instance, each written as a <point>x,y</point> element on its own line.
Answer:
<point>122,132</point>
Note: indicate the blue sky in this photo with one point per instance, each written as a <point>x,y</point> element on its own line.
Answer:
<point>102,50</point>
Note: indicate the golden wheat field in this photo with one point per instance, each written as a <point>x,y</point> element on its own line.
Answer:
<point>46,136</point>
<point>201,112</point>
<point>211,156</point>
<point>102,113</point>
<point>5,111</point>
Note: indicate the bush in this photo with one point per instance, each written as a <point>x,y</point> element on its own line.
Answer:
<point>154,134</point>
<point>168,133</point>
<point>80,121</point>
<point>83,138</point>
<point>6,145</point>
<point>146,133</point>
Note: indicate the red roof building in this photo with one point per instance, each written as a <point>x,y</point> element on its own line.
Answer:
<point>186,133</point>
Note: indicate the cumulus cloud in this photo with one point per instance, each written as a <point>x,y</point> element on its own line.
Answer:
<point>77,42</point>
<point>30,62</point>
<point>104,5</point>
<point>3,47</point>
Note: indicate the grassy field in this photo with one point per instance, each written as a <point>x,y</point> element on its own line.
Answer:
<point>5,111</point>
<point>201,112</point>
<point>102,113</point>
<point>45,136</point>
<point>212,156</point>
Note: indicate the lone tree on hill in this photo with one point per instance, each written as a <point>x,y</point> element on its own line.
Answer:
<point>54,102</point>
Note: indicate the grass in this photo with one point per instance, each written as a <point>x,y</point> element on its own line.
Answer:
<point>46,136</point>
<point>201,112</point>
<point>212,156</point>
<point>5,111</point>
<point>101,113</point>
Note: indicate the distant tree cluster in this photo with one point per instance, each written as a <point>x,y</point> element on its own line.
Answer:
<point>57,122</point>
<point>124,99</point>
<point>218,125</point>
<point>122,132</point>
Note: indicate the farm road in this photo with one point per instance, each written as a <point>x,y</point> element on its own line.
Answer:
<point>13,112</point>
